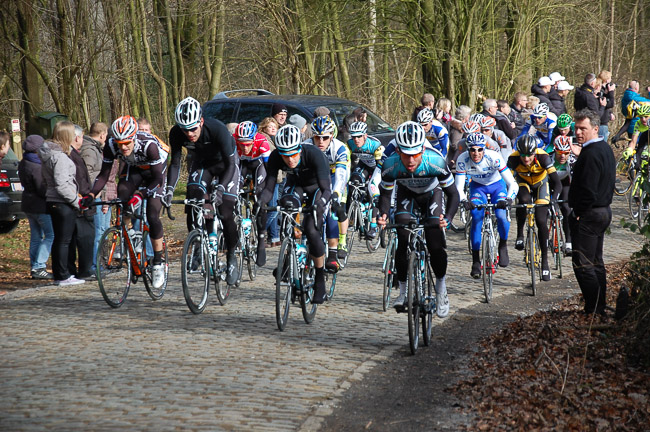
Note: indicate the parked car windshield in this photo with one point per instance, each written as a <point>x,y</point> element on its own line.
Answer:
<point>339,111</point>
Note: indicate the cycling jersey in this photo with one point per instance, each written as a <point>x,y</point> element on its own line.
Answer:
<point>431,172</point>
<point>261,149</point>
<point>564,170</point>
<point>338,157</point>
<point>505,145</point>
<point>639,128</point>
<point>543,131</point>
<point>491,169</point>
<point>370,154</point>
<point>536,172</point>
<point>438,137</point>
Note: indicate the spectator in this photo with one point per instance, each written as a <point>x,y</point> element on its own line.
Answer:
<point>33,204</point>
<point>83,236</point>
<point>321,111</point>
<point>518,104</point>
<point>91,152</point>
<point>563,89</point>
<point>607,92</point>
<point>533,101</point>
<point>443,111</point>
<point>631,94</point>
<point>503,121</point>
<point>590,196</point>
<point>456,127</point>
<point>586,96</point>
<point>5,140</point>
<point>427,101</point>
<point>62,197</point>
<point>279,113</point>
<point>269,127</point>
<point>300,122</point>
<point>557,106</point>
<point>144,125</point>
<point>358,115</point>
<point>542,89</point>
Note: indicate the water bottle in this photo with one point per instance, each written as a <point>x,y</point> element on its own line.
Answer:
<point>301,252</point>
<point>136,240</point>
<point>247,225</point>
<point>212,240</point>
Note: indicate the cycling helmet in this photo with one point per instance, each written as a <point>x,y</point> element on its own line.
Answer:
<point>562,143</point>
<point>476,140</point>
<point>541,110</point>
<point>425,116</point>
<point>643,110</point>
<point>358,129</point>
<point>410,137</point>
<point>631,109</point>
<point>287,140</point>
<point>564,120</point>
<point>323,125</point>
<point>527,144</point>
<point>471,127</point>
<point>476,117</point>
<point>245,131</point>
<point>188,113</point>
<point>124,128</point>
<point>488,122</point>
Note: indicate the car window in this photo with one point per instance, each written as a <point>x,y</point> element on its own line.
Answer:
<point>253,111</point>
<point>375,123</point>
<point>221,111</point>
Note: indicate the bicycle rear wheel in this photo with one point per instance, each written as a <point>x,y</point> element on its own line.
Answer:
<point>414,288</point>
<point>389,272</point>
<point>195,272</point>
<point>307,292</point>
<point>372,243</point>
<point>147,268</point>
<point>624,175</point>
<point>283,284</point>
<point>488,259</point>
<point>559,235</point>
<point>634,196</point>
<point>251,246</point>
<point>643,209</point>
<point>535,260</point>
<point>428,306</point>
<point>354,220</point>
<point>113,267</point>
<point>219,268</point>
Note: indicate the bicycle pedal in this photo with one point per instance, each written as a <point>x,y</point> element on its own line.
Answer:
<point>401,309</point>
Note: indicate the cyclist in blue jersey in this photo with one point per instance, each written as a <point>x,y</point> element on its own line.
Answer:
<point>543,122</point>
<point>436,133</point>
<point>490,176</point>
<point>417,172</point>
<point>367,153</point>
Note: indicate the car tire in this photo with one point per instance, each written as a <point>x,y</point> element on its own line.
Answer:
<point>8,226</point>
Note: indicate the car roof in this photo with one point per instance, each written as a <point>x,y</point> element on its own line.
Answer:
<point>304,100</point>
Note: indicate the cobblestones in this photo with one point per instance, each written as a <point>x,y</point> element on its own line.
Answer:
<point>72,363</point>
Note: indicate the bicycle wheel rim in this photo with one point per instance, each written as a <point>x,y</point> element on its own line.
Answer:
<point>623,176</point>
<point>427,307</point>
<point>147,269</point>
<point>307,293</point>
<point>486,262</point>
<point>283,284</point>
<point>389,273</point>
<point>251,248</point>
<point>113,267</point>
<point>354,214</point>
<point>414,279</point>
<point>634,196</point>
<point>220,265</point>
<point>195,272</point>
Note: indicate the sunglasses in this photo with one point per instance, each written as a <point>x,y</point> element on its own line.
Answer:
<point>476,150</point>
<point>563,152</point>
<point>191,130</point>
<point>323,137</point>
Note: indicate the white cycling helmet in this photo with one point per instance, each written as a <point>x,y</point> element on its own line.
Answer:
<point>477,117</point>
<point>124,128</point>
<point>323,125</point>
<point>188,113</point>
<point>410,137</point>
<point>288,140</point>
<point>425,116</point>
<point>358,129</point>
<point>541,110</point>
<point>471,127</point>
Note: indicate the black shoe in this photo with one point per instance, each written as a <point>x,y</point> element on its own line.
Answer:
<point>232,273</point>
<point>332,264</point>
<point>41,274</point>
<point>476,270</point>
<point>519,243</point>
<point>342,252</point>
<point>87,276</point>
<point>261,254</point>
<point>546,273</point>
<point>504,260</point>
<point>372,232</point>
<point>320,294</point>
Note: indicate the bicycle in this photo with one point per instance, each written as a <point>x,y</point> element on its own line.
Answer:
<point>388,267</point>
<point>247,229</point>
<point>421,300</point>
<point>532,250</point>
<point>203,259</point>
<point>359,218</point>
<point>556,237</point>
<point>295,273</point>
<point>637,192</point>
<point>489,249</point>
<point>122,260</point>
<point>625,174</point>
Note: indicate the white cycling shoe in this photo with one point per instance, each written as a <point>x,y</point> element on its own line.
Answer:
<point>399,301</point>
<point>158,275</point>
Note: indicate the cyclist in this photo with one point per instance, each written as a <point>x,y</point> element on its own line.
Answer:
<point>435,131</point>
<point>564,127</point>
<point>367,151</point>
<point>214,171</point>
<point>254,150</point>
<point>471,127</point>
<point>143,176</point>
<point>543,122</point>
<point>488,125</point>
<point>417,171</point>
<point>532,168</point>
<point>563,161</point>
<point>308,181</point>
<point>490,175</point>
<point>639,136</point>
<point>338,156</point>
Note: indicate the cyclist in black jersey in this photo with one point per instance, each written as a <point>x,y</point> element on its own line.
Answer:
<point>309,182</point>
<point>214,171</point>
<point>143,175</point>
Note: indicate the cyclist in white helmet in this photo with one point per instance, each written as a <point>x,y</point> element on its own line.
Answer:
<point>543,122</point>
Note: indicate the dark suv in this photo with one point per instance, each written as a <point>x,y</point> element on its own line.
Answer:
<point>230,109</point>
<point>11,191</point>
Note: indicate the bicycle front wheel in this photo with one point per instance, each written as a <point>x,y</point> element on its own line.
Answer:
<point>488,260</point>
<point>428,306</point>
<point>354,221</point>
<point>413,290</point>
<point>195,272</point>
<point>283,284</point>
<point>219,268</point>
<point>307,292</point>
<point>147,268</point>
<point>643,209</point>
<point>113,267</point>
<point>634,196</point>
<point>372,243</point>
<point>534,255</point>
<point>624,175</point>
<point>251,246</point>
<point>389,272</point>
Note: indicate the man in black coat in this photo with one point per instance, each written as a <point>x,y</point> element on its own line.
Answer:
<point>587,96</point>
<point>590,196</point>
<point>542,90</point>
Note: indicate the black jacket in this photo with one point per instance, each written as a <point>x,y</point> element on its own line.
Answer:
<point>537,91</point>
<point>34,188</point>
<point>518,119</point>
<point>558,106</point>
<point>609,95</point>
<point>82,178</point>
<point>594,174</point>
<point>584,98</point>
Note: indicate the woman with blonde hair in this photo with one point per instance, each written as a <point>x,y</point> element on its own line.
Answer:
<point>269,127</point>
<point>61,197</point>
<point>607,91</point>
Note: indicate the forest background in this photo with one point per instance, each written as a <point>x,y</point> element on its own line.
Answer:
<point>95,60</point>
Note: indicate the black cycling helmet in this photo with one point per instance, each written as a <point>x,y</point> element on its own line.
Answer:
<point>527,144</point>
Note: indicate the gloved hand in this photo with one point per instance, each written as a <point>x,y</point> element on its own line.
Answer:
<point>216,196</point>
<point>169,195</point>
<point>467,205</point>
<point>503,204</point>
<point>320,205</point>
<point>135,202</point>
<point>85,201</point>
<point>335,204</point>
<point>628,153</point>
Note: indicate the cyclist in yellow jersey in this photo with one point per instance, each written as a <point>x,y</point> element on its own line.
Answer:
<point>532,168</point>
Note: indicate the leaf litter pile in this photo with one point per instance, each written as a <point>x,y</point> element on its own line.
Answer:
<point>558,370</point>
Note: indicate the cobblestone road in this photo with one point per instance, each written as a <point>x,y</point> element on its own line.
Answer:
<point>72,363</point>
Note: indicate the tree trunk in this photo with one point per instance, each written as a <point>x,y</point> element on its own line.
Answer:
<point>31,85</point>
<point>169,26</point>
<point>304,39</point>
<point>371,71</point>
<point>140,67</point>
<point>219,22</point>
<point>340,50</point>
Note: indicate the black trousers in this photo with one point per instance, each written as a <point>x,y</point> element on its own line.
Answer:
<point>83,240</point>
<point>62,214</point>
<point>588,234</point>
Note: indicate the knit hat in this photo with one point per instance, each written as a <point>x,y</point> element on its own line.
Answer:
<point>33,143</point>
<point>298,121</point>
<point>278,108</point>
